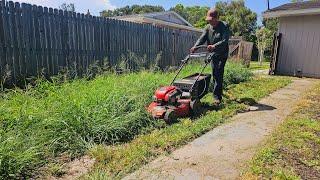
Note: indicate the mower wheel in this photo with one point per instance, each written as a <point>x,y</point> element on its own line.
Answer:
<point>170,116</point>
<point>195,106</point>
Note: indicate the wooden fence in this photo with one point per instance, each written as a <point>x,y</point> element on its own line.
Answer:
<point>36,39</point>
<point>240,50</point>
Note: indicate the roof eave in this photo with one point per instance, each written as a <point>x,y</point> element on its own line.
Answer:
<point>285,13</point>
<point>151,20</point>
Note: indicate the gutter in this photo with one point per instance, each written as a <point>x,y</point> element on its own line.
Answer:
<point>287,13</point>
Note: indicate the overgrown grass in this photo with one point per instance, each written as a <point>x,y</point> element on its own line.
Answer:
<point>117,161</point>
<point>50,120</point>
<point>293,151</point>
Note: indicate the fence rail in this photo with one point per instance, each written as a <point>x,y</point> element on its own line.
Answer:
<point>36,39</point>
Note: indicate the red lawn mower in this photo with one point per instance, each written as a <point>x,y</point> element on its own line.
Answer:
<point>182,97</point>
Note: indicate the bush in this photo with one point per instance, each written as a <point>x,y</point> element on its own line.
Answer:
<point>41,123</point>
<point>235,74</point>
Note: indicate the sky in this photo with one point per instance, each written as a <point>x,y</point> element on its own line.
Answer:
<point>96,6</point>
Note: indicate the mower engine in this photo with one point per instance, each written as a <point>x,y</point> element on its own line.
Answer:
<point>168,103</point>
<point>182,97</point>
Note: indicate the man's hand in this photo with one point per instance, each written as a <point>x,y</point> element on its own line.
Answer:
<point>192,50</point>
<point>211,48</point>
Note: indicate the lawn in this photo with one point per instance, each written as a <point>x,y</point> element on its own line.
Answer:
<point>119,160</point>
<point>106,118</point>
<point>293,151</point>
<point>54,120</point>
<point>255,65</point>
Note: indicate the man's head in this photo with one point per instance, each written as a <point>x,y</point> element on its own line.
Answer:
<point>213,17</point>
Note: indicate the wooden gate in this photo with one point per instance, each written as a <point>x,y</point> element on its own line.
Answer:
<point>240,50</point>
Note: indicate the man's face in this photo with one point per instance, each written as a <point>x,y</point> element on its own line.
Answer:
<point>213,22</point>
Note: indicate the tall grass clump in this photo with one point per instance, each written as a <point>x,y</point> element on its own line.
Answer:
<point>52,120</point>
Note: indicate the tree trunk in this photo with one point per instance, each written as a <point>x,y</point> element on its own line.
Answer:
<point>261,55</point>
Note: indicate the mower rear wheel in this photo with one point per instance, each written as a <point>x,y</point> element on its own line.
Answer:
<point>195,106</point>
<point>170,116</point>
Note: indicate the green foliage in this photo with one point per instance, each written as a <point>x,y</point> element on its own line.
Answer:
<point>114,162</point>
<point>134,9</point>
<point>235,73</point>
<point>241,19</point>
<point>67,7</point>
<point>264,41</point>
<point>193,14</point>
<point>271,24</point>
<point>41,123</point>
<point>254,65</point>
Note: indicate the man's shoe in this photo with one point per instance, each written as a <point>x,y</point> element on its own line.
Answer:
<point>216,101</point>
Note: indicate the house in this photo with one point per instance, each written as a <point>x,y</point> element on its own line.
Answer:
<point>169,19</point>
<point>298,51</point>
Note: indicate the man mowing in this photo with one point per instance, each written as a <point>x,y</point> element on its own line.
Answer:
<point>216,35</point>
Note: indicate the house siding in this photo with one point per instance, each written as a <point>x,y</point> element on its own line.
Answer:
<point>300,45</point>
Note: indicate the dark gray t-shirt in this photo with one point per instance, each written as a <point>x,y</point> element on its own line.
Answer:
<point>218,36</point>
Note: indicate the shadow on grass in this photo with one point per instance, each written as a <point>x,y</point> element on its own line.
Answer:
<point>206,107</point>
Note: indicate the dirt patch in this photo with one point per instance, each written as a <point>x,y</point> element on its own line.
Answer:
<point>223,152</point>
<point>302,169</point>
<point>75,169</point>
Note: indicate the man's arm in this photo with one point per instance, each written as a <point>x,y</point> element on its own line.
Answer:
<point>202,39</point>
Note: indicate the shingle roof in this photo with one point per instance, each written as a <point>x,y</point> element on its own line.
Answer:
<point>297,6</point>
<point>153,15</point>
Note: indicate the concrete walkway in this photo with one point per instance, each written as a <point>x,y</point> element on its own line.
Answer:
<point>223,152</point>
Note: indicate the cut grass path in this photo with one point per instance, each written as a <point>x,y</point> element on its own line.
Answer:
<point>222,152</point>
<point>119,160</point>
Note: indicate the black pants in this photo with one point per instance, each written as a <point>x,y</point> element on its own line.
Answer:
<point>217,73</point>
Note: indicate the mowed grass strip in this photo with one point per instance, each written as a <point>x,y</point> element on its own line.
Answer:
<point>119,160</point>
<point>293,151</point>
<point>52,120</point>
<point>255,65</point>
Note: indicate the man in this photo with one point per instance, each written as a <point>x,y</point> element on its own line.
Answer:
<point>216,35</point>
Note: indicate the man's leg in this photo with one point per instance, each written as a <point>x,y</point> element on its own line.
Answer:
<point>217,73</point>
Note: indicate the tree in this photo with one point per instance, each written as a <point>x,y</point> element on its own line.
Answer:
<point>67,7</point>
<point>272,24</point>
<point>193,14</point>
<point>242,21</point>
<point>264,41</point>
<point>134,9</point>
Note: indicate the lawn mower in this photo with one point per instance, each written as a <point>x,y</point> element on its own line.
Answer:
<point>182,97</point>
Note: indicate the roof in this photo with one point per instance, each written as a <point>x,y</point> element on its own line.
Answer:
<point>294,9</point>
<point>160,19</point>
<point>154,16</point>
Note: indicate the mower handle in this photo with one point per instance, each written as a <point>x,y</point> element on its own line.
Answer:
<point>199,54</point>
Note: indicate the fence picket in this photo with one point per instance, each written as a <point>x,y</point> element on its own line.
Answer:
<point>36,39</point>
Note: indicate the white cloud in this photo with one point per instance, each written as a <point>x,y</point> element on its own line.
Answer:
<point>108,5</point>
